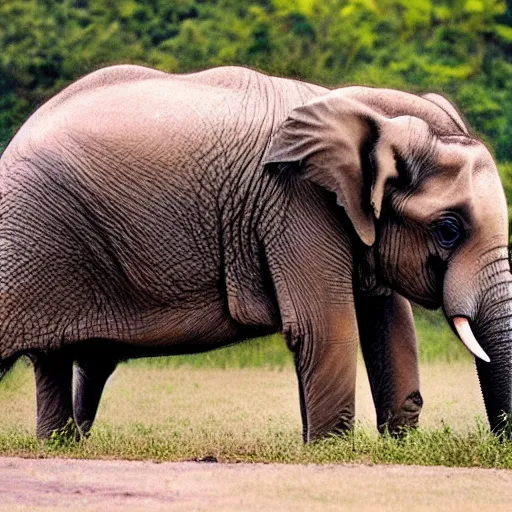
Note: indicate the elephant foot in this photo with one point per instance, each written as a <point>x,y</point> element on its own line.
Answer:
<point>405,418</point>
<point>344,425</point>
<point>59,436</point>
<point>85,428</point>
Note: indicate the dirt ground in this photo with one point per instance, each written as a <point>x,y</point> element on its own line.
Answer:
<point>87,485</point>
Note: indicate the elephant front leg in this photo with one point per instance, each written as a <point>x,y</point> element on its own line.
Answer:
<point>53,376</point>
<point>388,342</point>
<point>90,377</point>
<point>326,361</point>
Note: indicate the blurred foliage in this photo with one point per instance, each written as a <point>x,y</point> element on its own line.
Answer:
<point>462,48</point>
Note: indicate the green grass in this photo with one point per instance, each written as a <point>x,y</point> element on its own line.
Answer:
<point>428,448</point>
<point>436,341</point>
<point>268,352</point>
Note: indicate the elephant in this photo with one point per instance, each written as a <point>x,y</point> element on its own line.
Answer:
<point>145,213</point>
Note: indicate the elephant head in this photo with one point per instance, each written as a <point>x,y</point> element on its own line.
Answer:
<point>423,200</point>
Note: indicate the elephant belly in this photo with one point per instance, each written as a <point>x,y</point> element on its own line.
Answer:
<point>181,329</point>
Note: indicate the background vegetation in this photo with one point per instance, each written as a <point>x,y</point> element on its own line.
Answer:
<point>461,48</point>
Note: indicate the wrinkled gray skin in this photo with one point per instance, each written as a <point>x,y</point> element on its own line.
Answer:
<point>145,214</point>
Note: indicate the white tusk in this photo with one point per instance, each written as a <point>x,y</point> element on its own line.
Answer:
<point>468,338</point>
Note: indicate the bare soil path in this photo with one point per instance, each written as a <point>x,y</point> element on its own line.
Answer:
<point>89,485</point>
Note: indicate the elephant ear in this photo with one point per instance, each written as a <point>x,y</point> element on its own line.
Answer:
<point>449,108</point>
<point>347,148</point>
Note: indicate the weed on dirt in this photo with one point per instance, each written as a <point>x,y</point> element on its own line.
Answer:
<point>421,447</point>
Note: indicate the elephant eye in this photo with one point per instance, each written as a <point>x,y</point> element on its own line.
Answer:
<point>447,232</point>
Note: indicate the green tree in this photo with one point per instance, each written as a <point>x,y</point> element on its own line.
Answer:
<point>462,48</point>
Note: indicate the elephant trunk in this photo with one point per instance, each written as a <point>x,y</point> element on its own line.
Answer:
<point>493,329</point>
<point>483,307</point>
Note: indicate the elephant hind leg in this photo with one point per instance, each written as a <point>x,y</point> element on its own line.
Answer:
<point>91,375</point>
<point>53,375</point>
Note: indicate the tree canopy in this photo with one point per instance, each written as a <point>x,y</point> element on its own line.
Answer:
<point>461,48</point>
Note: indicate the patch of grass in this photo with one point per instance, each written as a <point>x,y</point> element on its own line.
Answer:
<point>15,377</point>
<point>429,448</point>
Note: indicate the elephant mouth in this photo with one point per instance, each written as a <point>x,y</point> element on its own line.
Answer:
<point>463,329</point>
